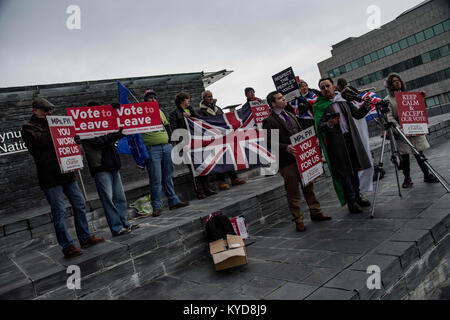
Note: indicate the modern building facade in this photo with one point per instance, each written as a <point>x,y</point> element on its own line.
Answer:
<point>416,44</point>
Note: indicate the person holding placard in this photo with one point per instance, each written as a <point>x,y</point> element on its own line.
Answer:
<point>288,125</point>
<point>36,135</point>
<point>104,165</point>
<point>394,83</point>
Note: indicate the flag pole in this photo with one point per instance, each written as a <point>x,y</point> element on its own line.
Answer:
<point>84,190</point>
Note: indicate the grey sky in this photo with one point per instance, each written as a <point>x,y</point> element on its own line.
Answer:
<point>255,38</point>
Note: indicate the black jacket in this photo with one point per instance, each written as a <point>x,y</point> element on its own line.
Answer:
<point>36,135</point>
<point>101,153</point>
<point>176,118</point>
<point>274,122</point>
<point>338,154</point>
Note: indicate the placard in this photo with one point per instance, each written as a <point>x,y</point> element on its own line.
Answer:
<point>99,120</point>
<point>62,130</point>
<point>286,83</point>
<point>260,110</point>
<point>309,159</point>
<point>412,113</point>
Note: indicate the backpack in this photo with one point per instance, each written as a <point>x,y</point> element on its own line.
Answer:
<point>218,226</point>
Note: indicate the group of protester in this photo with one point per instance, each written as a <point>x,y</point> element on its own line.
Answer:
<point>339,124</point>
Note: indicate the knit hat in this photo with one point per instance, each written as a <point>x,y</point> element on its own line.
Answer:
<point>41,103</point>
<point>148,93</point>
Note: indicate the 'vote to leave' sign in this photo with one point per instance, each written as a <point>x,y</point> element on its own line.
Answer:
<point>309,159</point>
<point>67,150</point>
<point>99,120</point>
<point>260,111</point>
<point>412,112</point>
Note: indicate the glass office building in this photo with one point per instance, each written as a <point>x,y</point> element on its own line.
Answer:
<point>416,44</point>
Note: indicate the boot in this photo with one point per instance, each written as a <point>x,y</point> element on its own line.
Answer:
<point>354,207</point>
<point>407,183</point>
<point>362,201</point>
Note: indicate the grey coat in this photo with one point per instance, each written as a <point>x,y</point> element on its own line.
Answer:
<point>419,142</point>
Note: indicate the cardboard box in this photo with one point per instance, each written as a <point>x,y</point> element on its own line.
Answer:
<point>228,253</point>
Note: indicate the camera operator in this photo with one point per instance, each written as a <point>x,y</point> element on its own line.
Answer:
<point>395,83</point>
<point>345,151</point>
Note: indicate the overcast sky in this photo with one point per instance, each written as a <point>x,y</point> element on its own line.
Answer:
<point>254,38</point>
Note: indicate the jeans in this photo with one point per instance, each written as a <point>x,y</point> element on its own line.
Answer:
<point>58,207</point>
<point>160,171</point>
<point>110,190</point>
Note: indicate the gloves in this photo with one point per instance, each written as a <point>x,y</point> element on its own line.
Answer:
<point>115,105</point>
<point>77,139</point>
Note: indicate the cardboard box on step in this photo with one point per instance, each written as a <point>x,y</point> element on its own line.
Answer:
<point>228,253</point>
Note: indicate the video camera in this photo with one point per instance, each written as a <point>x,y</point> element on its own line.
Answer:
<point>350,95</point>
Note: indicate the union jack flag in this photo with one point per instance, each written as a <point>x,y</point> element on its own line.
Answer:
<point>227,142</point>
<point>372,97</point>
<point>311,98</point>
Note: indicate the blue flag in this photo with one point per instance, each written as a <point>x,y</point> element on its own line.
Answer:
<point>131,144</point>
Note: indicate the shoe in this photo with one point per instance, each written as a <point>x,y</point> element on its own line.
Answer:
<point>201,196</point>
<point>223,185</point>
<point>133,227</point>
<point>362,201</point>
<point>320,217</point>
<point>92,241</point>
<point>72,251</point>
<point>210,192</point>
<point>156,212</point>
<point>180,204</point>
<point>430,178</point>
<point>122,232</point>
<point>353,207</point>
<point>237,182</point>
<point>300,227</point>
<point>407,183</point>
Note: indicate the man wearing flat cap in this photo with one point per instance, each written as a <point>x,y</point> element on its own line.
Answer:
<point>36,135</point>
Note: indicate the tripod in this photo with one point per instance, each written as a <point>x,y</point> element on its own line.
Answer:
<point>395,155</point>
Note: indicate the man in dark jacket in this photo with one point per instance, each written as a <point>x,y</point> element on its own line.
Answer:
<point>209,108</point>
<point>177,121</point>
<point>288,125</point>
<point>343,143</point>
<point>36,135</point>
<point>104,164</point>
<point>250,95</point>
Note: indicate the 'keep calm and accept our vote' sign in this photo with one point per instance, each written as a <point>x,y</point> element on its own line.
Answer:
<point>412,112</point>
<point>67,150</point>
<point>309,159</point>
<point>99,120</point>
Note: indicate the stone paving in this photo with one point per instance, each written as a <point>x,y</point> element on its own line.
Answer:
<point>407,239</point>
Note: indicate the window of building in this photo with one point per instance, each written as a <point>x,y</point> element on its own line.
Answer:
<point>341,69</point>
<point>434,54</point>
<point>448,96</point>
<point>336,72</point>
<point>380,53</point>
<point>381,93</point>
<point>429,33</point>
<point>438,29</point>
<point>366,80</point>
<point>444,51</point>
<point>374,56</point>
<point>354,64</point>
<point>411,40</point>
<point>432,101</point>
<point>446,25</point>
<point>420,36</point>
<point>367,59</point>
<point>395,47</point>
<point>387,50</point>
<point>330,74</point>
<point>360,62</point>
<point>403,44</point>
<point>348,67</point>
<point>426,57</point>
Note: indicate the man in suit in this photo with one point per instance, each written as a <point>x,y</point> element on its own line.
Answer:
<point>288,125</point>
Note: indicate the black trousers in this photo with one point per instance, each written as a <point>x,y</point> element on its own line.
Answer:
<point>222,176</point>
<point>351,183</point>
<point>407,165</point>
